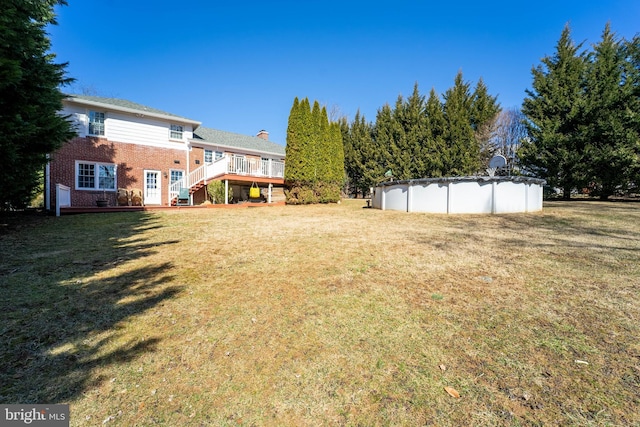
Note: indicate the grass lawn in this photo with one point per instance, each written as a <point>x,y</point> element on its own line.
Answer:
<point>326,315</point>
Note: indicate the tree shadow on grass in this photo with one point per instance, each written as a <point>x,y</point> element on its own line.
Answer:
<point>67,295</point>
<point>569,231</point>
<point>580,228</point>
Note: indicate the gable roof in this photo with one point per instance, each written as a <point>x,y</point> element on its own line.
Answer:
<point>236,140</point>
<point>127,107</point>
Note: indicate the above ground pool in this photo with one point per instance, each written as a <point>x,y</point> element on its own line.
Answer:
<point>460,195</point>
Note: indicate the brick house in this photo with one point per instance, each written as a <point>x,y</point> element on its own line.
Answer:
<point>124,145</point>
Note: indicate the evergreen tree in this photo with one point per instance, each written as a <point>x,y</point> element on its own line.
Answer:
<point>631,51</point>
<point>351,168</point>
<point>484,113</point>
<point>612,143</point>
<point>385,134</point>
<point>435,149</point>
<point>418,138</point>
<point>337,155</point>
<point>329,189</point>
<point>30,99</point>
<point>401,152</point>
<point>294,148</point>
<point>362,164</point>
<point>308,126</point>
<point>413,121</point>
<point>315,155</point>
<point>406,137</point>
<point>555,115</point>
<point>300,150</point>
<point>462,146</point>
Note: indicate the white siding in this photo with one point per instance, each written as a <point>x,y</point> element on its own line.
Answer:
<point>143,130</point>
<point>79,118</point>
<point>122,127</point>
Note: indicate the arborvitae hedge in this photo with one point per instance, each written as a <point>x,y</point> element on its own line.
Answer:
<point>314,168</point>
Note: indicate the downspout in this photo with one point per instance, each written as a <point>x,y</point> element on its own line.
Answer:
<point>47,185</point>
<point>189,170</point>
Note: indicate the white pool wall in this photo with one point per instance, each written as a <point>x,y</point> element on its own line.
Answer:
<point>457,195</point>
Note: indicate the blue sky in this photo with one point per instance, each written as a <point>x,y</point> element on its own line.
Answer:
<point>237,66</point>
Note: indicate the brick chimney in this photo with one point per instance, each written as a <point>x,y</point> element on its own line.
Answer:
<point>263,134</point>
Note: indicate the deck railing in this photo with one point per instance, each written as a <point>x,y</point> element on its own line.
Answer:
<point>206,171</point>
<point>233,165</point>
<point>241,165</point>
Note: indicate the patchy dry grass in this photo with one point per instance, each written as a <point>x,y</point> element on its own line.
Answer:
<point>326,315</point>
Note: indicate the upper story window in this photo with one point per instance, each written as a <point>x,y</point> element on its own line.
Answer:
<point>96,123</point>
<point>95,176</point>
<point>176,131</point>
<point>210,155</point>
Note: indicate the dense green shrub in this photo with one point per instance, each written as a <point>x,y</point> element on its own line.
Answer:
<point>215,190</point>
<point>315,155</point>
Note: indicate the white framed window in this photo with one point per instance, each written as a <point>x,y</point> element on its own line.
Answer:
<point>176,132</point>
<point>95,176</point>
<point>210,155</point>
<point>96,123</point>
<point>175,175</point>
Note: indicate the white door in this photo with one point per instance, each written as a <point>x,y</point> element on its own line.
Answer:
<point>152,193</point>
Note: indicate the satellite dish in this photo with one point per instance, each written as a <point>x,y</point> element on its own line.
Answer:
<point>498,161</point>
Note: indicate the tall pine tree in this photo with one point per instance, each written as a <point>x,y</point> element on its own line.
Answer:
<point>336,175</point>
<point>435,149</point>
<point>30,99</point>
<point>386,134</point>
<point>484,113</point>
<point>631,50</point>
<point>462,146</point>
<point>554,108</point>
<point>611,143</point>
<point>421,138</point>
<point>413,121</point>
<point>361,155</point>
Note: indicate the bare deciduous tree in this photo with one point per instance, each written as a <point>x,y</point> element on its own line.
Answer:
<point>508,132</point>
